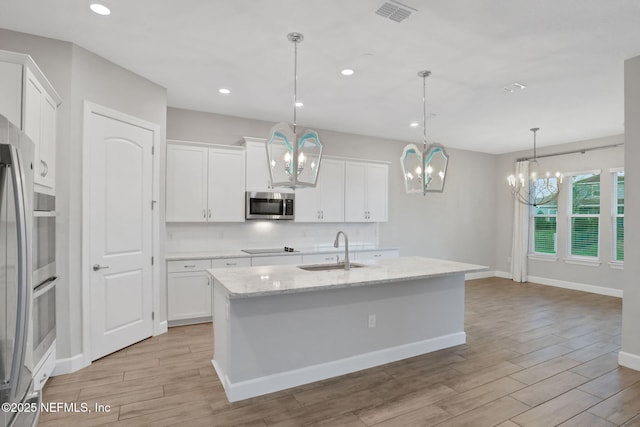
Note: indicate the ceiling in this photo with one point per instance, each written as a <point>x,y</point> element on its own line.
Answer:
<point>569,53</point>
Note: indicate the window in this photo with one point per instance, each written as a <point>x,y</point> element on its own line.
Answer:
<point>584,214</point>
<point>544,227</point>
<point>618,215</point>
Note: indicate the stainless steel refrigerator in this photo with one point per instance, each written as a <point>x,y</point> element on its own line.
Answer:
<point>19,403</point>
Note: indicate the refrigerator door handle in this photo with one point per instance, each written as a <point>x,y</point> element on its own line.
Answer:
<point>24,285</point>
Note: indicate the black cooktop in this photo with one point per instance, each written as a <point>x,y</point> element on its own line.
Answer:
<point>269,251</point>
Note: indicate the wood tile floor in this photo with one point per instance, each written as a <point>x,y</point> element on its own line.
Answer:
<point>535,356</point>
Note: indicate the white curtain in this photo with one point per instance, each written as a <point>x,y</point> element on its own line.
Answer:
<point>520,245</point>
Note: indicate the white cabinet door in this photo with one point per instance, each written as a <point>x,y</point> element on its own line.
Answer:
<point>29,101</point>
<point>307,204</point>
<point>46,160</point>
<point>355,191</point>
<point>331,186</point>
<point>257,172</point>
<point>187,183</point>
<point>325,201</point>
<point>226,185</point>
<point>189,295</point>
<point>366,192</point>
<point>377,193</point>
<point>39,121</point>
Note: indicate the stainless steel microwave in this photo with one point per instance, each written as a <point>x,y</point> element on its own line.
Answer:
<point>265,205</point>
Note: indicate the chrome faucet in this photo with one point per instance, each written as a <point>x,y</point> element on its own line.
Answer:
<point>347,265</point>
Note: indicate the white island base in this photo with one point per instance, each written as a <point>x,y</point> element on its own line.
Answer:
<point>292,334</point>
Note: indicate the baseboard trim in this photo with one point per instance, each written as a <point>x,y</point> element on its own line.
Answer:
<point>479,275</point>
<point>628,360</point>
<point>163,328</point>
<point>283,380</point>
<point>601,290</point>
<point>503,274</point>
<point>70,364</point>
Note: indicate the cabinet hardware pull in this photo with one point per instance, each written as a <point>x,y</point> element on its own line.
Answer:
<point>377,255</point>
<point>44,169</point>
<point>204,213</point>
<point>209,213</point>
<point>232,263</point>
<point>97,267</point>
<point>190,266</point>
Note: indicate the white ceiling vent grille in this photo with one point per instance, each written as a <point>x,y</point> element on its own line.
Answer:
<point>395,10</point>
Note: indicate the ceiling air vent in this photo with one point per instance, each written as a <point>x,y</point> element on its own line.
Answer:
<point>395,11</point>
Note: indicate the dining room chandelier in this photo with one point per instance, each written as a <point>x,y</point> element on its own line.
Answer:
<point>424,170</point>
<point>529,186</point>
<point>293,157</point>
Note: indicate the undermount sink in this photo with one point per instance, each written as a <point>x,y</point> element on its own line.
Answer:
<point>328,267</point>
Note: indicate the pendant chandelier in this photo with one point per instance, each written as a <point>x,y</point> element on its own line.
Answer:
<point>528,186</point>
<point>294,158</point>
<point>424,170</point>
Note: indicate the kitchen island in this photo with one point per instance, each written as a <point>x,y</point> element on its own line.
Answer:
<point>277,327</point>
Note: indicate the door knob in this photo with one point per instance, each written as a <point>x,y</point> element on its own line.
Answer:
<point>97,267</point>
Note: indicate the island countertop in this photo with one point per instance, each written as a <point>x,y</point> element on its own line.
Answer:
<point>283,279</point>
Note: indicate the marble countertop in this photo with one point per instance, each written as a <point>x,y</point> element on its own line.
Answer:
<point>283,279</point>
<point>177,256</point>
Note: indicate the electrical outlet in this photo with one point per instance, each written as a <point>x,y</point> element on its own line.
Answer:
<point>372,320</point>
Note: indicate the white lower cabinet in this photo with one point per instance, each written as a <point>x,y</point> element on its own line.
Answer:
<point>188,292</point>
<point>189,288</point>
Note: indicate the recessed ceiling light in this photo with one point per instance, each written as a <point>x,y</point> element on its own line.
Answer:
<point>347,72</point>
<point>299,104</point>
<point>100,9</point>
<point>224,91</point>
<point>414,124</point>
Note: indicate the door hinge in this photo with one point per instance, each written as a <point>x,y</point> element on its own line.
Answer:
<point>153,315</point>
<point>153,202</point>
<point>153,150</point>
<point>151,260</point>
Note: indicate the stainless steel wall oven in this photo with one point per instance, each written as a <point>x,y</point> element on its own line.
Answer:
<point>44,276</point>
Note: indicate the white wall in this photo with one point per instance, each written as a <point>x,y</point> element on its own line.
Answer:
<point>602,276</point>
<point>457,224</point>
<point>630,354</point>
<point>79,75</point>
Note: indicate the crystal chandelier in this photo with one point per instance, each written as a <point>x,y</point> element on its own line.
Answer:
<point>293,158</point>
<point>531,188</point>
<point>424,170</point>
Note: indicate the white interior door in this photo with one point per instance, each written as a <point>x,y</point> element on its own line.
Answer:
<point>120,220</point>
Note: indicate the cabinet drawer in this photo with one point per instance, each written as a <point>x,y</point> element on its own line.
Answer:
<point>231,262</point>
<point>376,255</point>
<point>328,258</point>
<point>188,265</point>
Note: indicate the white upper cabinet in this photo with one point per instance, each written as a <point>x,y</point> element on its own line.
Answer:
<point>29,101</point>
<point>366,192</point>
<point>226,185</point>
<point>257,171</point>
<point>187,183</point>
<point>204,184</point>
<point>325,202</point>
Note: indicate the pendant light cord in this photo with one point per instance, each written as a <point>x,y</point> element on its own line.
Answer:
<point>295,83</point>
<point>424,111</point>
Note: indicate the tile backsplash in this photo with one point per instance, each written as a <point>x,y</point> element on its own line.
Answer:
<point>190,237</point>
